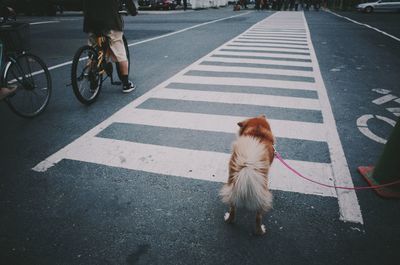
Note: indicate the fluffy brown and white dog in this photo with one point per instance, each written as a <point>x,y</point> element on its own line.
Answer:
<point>247,186</point>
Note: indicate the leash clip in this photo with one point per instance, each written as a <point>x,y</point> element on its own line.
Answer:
<point>274,147</point>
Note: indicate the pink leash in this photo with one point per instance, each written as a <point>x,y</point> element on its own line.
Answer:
<point>331,186</point>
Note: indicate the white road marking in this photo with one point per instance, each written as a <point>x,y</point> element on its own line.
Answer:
<point>395,111</point>
<point>252,70</point>
<point>295,44</point>
<point>239,98</point>
<point>218,123</point>
<point>384,99</point>
<point>362,124</point>
<point>365,25</point>
<point>349,207</point>
<point>267,49</point>
<point>257,61</point>
<point>44,22</point>
<point>212,166</point>
<point>265,54</point>
<point>289,39</point>
<point>245,82</point>
<point>277,45</point>
<point>245,46</point>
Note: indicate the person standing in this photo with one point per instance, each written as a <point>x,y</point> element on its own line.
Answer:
<point>102,17</point>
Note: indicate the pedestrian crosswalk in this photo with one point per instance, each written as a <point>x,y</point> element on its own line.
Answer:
<point>184,126</point>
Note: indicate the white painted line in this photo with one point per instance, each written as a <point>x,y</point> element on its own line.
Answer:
<point>263,40</point>
<point>239,98</point>
<point>286,39</point>
<point>278,28</point>
<point>362,124</point>
<point>349,207</point>
<point>365,25</point>
<point>255,33</point>
<point>218,123</point>
<point>384,99</point>
<point>252,70</point>
<point>44,22</point>
<point>267,49</point>
<point>257,61</point>
<point>395,111</point>
<point>264,54</point>
<point>272,42</point>
<point>269,45</point>
<point>205,80</point>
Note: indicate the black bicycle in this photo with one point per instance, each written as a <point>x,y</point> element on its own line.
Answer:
<point>91,66</point>
<point>23,73</point>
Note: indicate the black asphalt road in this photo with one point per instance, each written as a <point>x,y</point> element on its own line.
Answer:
<point>81,213</point>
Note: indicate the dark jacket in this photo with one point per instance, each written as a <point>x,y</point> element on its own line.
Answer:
<point>101,16</point>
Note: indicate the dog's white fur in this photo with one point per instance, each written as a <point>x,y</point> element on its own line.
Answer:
<point>249,188</point>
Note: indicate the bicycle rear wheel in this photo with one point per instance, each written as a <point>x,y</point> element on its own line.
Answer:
<point>31,78</point>
<point>85,77</point>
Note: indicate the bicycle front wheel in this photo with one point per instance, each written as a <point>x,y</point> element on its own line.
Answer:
<point>29,75</point>
<point>85,77</point>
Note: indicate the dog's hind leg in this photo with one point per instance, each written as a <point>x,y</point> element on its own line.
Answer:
<point>230,216</point>
<point>260,228</point>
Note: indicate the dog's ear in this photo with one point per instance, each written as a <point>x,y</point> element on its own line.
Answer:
<point>242,124</point>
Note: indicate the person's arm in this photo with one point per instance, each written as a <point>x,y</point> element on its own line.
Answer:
<point>130,5</point>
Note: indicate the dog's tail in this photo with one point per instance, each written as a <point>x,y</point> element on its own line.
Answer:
<point>248,183</point>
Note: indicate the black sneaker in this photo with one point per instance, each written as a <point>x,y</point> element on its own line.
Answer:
<point>130,87</point>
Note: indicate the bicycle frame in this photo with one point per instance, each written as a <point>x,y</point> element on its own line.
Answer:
<point>102,46</point>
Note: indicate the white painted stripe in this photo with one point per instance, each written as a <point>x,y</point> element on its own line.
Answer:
<point>44,22</point>
<point>266,54</point>
<point>262,40</point>
<point>278,28</point>
<point>244,82</point>
<point>252,70</point>
<point>365,25</point>
<point>257,61</point>
<point>239,98</point>
<point>272,42</point>
<point>257,48</point>
<point>257,44</point>
<point>245,37</point>
<point>384,99</point>
<point>348,204</point>
<point>299,35</point>
<point>194,164</point>
<point>218,123</point>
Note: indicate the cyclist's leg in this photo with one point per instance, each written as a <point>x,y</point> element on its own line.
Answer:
<point>120,57</point>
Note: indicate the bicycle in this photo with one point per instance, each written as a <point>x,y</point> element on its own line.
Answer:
<point>23,72</point>
<point>91,66</point>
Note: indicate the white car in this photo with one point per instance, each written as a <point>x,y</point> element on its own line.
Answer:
<point>381,5</point>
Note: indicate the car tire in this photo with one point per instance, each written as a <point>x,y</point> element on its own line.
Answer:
<point>369,9</point>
